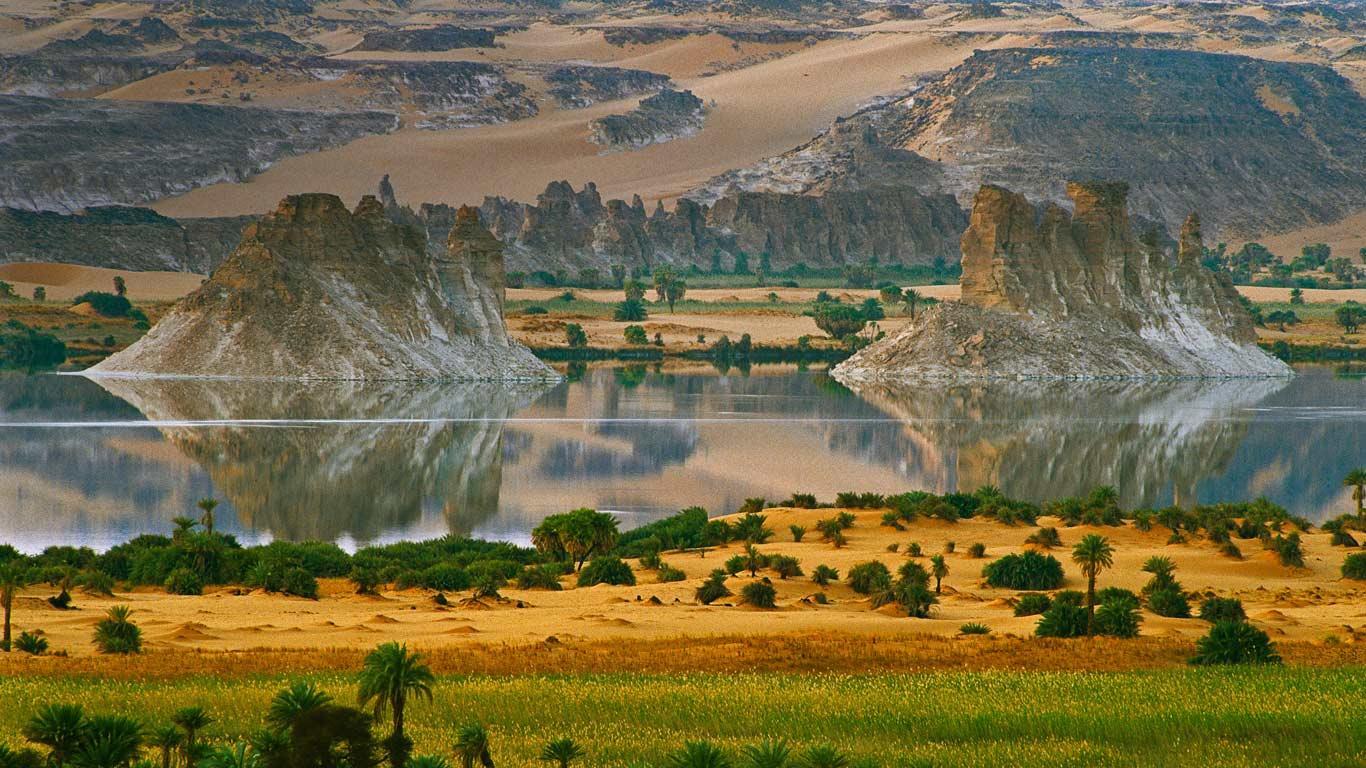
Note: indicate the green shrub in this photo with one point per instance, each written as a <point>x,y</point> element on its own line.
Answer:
<point>1029,570</point>
<point>1046,537</point>
<point>713,588</point>
<point>106,304</point>
<point>117,634</point>
<point>1354,566</point>
<point>977,550</point>
<point>871,577</point>
<point>759,594</point>
<point>1288,550</point>
<point>822,575</point>
<point>367,580</point>
<point>1235,642</point>
<point>735,564</point>
<point>1117,615</point>
<point>300,583</point>
<point>974,628</point>
<point>184,581</point>
<point>1171,603</point>
<point>668,573</point>
<point>797,532</point>
<point>1033,604</point>
<point>27,348</point>
<point>94,582</point>
<point>607,570</point>
<point>785,566</point>
<point>802,501</point>
<point>33,645</point>
<point>1217,609</point>
<point>539,577</point>
<point>1062,620</point>
<point>447,577</point>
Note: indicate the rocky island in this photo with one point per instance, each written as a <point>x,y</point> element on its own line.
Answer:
<point>1052,294</point>
<point>315,291</point>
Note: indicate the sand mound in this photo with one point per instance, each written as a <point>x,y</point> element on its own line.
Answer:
<point>466,630</point>
<point>380,618</point>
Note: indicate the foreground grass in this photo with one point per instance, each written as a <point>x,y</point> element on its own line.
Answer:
<point>1186,717</point>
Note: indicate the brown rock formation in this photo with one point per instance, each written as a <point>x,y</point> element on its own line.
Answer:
<point>1048,294</point>
<point>317,292</point>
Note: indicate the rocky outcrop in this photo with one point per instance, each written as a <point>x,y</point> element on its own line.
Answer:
<point>317,292</point>
<point>444,37</point>
<point>1052,294</point>
<point>576,86</point>
<point>1187,130</point>
<point>119,237</point>
<point>665,116</point>
<point>70,154</point>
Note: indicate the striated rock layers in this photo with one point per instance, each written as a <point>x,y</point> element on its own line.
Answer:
<point>317,292</point>
<point>1048,294</point>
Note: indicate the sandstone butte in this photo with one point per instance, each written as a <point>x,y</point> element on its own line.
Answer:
<point>315,291</point>
<point>1052,295</point>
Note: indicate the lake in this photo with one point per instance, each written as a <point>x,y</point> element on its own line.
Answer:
<point>97,462</point>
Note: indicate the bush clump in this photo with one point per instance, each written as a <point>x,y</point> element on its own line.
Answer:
<point>713,588</point>
<point>607,570</point>
<point>1235,642</point>
<point>759,594</point>
<point>974,628</point>
<point>117,634</point>
<point>1028,570</point>
<point>539,577</point>
<point>1217,609</point>
<point>822,575</point>
<point>668,573</point>
<point>1354,566</point>
<point>1171,603</point>
<point>869,578</point>
<point>184,581</point>
<point>1033,604</point>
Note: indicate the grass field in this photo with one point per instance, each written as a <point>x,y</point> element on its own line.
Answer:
<point>1188,717</point>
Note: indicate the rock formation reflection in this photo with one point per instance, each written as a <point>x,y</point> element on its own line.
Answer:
<point>322,460</point>
<point>1154,441</point>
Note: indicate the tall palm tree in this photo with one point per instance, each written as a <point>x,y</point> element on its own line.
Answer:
<point>911,297</point>
<point>939,569</point>
<point>13,577</point>
<point>192,720</point>
<point>1356,479</point>
<point>109,741</point>
<point>293,701</point>
<point>1094,554</point>
<point>391,674</point>
<point>184,526</point>
<point>753,560</point>
<point>561,752</point>
<point>60,728</point>
<point>472,747</point>
<point>207,506</point>
<point>166,738</point>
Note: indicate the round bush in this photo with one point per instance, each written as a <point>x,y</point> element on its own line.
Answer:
<point>1235,642</point>
<point>1217,609</point>
<point>539,577</point>
<point>298,582</point>
<point>1354,566</point>
<point>447,577</point>
<point>607,570</point>
<point>868,578</point>
<point>759,594</point>
<point>1062,620</point>
<point>184,581</point>
<point>1170,603</point>
<point>1033,604</point>
<point>713,589</point>
<point>1029,570</point>
<point>1118,616</point>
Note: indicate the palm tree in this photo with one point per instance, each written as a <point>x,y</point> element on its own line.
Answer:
<point>13,577</point>
<point>184,526</point>
<point>207,506</point>
<point>60,728</point>
<point>911,297</point>
<point>561,752</point>
<point>824,757</point>
<point>166,738</point>
<point>239,755</point>
<point>472,747</point>
<point>192,720</point>
<point>773,753</point>
<point>389,676</point>
<point>1356,479</point>
<point>1094,554</point>
<point>939,569</point>
<point>293,701</point>
<point>753,560</point>
<point>699,754</point>
<point>427,761</point>
<point>109,741</point>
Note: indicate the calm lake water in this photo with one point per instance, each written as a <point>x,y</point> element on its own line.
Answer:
<point>97,462</point>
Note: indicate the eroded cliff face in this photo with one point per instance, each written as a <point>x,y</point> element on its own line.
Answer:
<point>318,292</point>
<point>1052,294</point>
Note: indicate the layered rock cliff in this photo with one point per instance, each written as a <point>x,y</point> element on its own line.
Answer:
<point>1053,294</point>
<point>317,292</point>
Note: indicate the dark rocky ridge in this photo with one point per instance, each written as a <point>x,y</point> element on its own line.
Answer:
<point>665,116</point>
<point>119,237</point>
<point>445,37</point>
<point>579,86</point>
<point>1257,146</point>
<point>143,151</point>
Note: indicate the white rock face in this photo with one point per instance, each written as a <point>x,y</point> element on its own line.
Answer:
<point>317,292</point>
<point>1056,295</point>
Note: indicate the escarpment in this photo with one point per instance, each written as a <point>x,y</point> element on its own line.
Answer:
<point>315,291</point>
<point>1052,294</point>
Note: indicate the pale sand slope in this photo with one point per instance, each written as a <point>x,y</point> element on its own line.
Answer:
<point>1306,604</point>
<point>66,281</point>
<point>1346,238</point>
<point>759,111</point>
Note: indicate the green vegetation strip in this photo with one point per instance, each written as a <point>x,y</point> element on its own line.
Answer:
<point>1199,717</point>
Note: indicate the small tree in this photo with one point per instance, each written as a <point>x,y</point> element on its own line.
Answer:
<point>1094,554</point>
<point>575,336</point>
<point>472,747</point>
<point>40,293</point>
<point>634,290</point>
<point>120,287</point>
<point>631,310</point>
<point>939,569</point>
<point>13,577</point>
<point>713,588</point>
<point>1350,316</point>
<point>116,633</point>
<point>838,320</point>
<point>1356,480</point>
<point>206,508</point>
<point>1296,296</point>
<point>636,336</point>
<point>674,291</point>
<point>391,675</point>
<point>561,752</point>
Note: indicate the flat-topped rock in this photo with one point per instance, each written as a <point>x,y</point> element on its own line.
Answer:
<point>315,291</point>
<point>1053,294</point>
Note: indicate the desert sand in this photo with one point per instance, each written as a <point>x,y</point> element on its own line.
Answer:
<point>64,282</point>
<point>1293,605</point>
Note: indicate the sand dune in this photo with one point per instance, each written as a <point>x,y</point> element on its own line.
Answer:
<point>66,281</point>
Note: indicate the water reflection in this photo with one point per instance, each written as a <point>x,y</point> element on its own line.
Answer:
<point>82,462</point>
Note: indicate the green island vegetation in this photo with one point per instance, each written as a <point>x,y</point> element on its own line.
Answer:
<point>1316,266</point>
<point>866,275</point>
